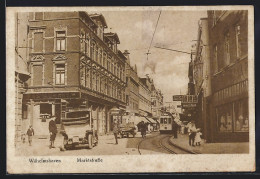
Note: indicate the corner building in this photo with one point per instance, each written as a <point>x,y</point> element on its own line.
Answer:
<point>75,67</point>
<point>228,42</point>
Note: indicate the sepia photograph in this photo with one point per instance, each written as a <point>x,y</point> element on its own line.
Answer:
<point>93,89</point>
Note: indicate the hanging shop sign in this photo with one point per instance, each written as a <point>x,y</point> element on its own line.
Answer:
<point>189,99</point>
<point>188,105</point>
<point>177,97</point>
<point>52,95</point>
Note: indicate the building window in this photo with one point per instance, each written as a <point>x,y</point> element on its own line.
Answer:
<point>112,67</point>
<point>226,49</point>
<point>60,40</point>
<point>97,83</point>
<point>105,60</point>
<point>214,18</point>
<point>82,42</point>
<point>60,74</point>
<point>215,58</point>
<point>38,41</point>
<point>83,75</point>
<point>100,56</point>
<point>108,63</point>
<point>94,84</point>
<point>92,51</point>
<point>88,78</point>
<point>238,45</point>
<point>87,45</point>
<point>37,75</point>
<point>96,53</point>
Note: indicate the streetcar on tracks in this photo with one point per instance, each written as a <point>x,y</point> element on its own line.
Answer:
<point>166,121</point>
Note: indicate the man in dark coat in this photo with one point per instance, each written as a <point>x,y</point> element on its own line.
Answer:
<point>53,132</point>
<point>30,133</point>
<point>143,129</point>
<point>115,131</point>
<point>175,129</point>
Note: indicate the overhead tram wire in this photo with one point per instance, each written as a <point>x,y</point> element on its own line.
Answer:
<point>148,52</point>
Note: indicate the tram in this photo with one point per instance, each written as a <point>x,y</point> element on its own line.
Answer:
<point>166,123</point>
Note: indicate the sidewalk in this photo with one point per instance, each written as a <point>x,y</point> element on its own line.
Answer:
<point>210,148</point>
<point>106,146</point>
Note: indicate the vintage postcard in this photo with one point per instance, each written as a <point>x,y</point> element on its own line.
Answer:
<point>130,89</point>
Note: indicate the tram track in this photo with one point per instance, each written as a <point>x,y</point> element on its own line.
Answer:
<point>162,143</point>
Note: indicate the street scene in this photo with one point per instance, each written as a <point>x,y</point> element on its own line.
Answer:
<point>138,82</point>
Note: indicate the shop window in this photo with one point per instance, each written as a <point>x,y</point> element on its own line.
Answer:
<point>60,40</point>
<point>241,123</point>
<point>60,74</point>
<point>45,110</point>
<point>38,41</point>
<point>224,118</point>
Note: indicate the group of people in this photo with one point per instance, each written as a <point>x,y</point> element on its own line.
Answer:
<point>52,129</point>
<point>194,134</point>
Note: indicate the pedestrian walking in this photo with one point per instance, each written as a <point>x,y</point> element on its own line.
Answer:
<point>192,132</point>
<point>143,129</point>
<point>175,129</point>
<point>115,131</point>
<point>198,137</point>
<point>30,133</point>
<point>53,132</point>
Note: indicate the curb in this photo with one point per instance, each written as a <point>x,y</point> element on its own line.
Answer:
<point>182,148</point>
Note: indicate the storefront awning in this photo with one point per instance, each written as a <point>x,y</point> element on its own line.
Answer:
<point>152,120</point>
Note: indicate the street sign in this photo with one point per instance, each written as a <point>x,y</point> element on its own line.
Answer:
<point>178,106</point>
<point>189,99</point>
<point>177,97</point>
<point>189,105</point>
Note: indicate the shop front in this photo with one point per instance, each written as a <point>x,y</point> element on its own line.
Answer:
<point>231,114</point>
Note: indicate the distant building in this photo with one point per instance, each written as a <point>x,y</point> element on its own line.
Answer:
<point>201,75</point>
<point>132,90</point>
<point>75,66</point>
<point>145,92</point>
<point>157,102</point>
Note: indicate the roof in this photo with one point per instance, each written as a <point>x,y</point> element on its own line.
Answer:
<point>120,54</point>
<point>100,18</point>
<point>113,36</point>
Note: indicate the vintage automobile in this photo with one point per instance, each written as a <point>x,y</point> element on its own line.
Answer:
<point>78,130</point>
<point>126,129</point>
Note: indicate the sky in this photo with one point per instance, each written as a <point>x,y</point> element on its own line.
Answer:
<point>175,30</point>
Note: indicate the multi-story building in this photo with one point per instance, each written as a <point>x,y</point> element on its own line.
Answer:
<point>145,91</point>
<point>132,90</point>
<point>21,73</point>
<point>201,75</point>
<point>75,67</point>
<point>228,44</point>
<point>157,102</point>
